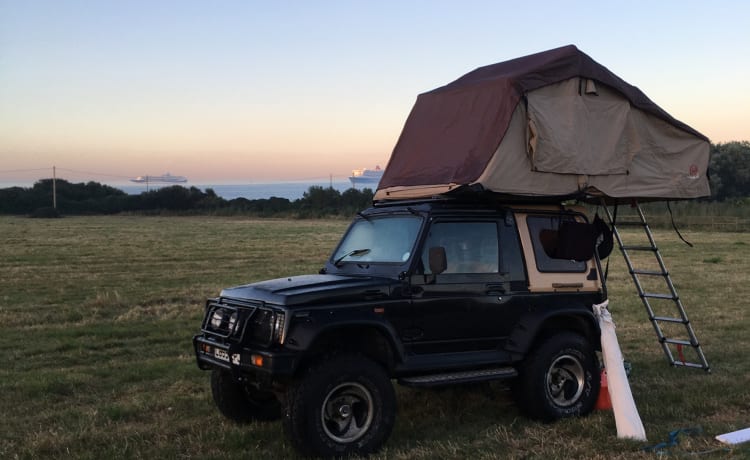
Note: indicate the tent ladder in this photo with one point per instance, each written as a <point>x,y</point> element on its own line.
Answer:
<point>673,330</point>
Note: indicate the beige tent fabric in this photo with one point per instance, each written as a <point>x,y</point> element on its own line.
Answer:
<point>576,136</point>
<point>421,191</point>
<point>575,130</point>
<point>668,163</point>
<point>510,169</point>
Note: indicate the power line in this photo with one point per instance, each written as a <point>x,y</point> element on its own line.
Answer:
<point>24,170</point>
<point>91,173</point>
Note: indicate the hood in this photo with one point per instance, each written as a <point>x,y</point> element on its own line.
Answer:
<point>312,290</point>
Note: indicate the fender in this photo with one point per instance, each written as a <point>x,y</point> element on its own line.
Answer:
<point>307,330</point>
<point>533,323</point>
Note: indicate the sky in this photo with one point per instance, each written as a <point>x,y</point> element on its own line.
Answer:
<point>253,91</point>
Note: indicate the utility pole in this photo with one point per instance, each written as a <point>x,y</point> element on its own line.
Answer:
<point>54,188</point>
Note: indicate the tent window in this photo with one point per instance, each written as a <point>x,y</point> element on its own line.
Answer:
<point>579,127</point>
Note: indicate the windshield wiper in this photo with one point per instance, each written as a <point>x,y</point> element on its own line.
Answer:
<point>356,252</point>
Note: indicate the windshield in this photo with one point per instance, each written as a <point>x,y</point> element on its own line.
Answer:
<point>379,239</point>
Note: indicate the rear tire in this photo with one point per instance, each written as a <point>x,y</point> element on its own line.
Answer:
<point>345,405</point>
<point>242,403</point>
<point>559,379</point>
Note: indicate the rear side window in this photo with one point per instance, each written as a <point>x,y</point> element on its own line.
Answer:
<point>544,232</point>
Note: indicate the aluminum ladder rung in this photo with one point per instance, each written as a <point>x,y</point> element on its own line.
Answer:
<point>686,343</point>
<point>648,272</point>
<point>639,248</point>
<point>687,364</point>
<point>630,223</point>
<point>667,319</point>
<point>645,296</point>
<point>659,296</point>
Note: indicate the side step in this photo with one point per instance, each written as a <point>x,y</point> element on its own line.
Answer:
<point>451,378</point>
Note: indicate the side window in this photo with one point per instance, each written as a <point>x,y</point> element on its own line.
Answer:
<point>470,247</point>
<point>544,231</point>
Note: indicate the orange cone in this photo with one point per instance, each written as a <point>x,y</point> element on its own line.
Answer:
<point>603,402</point>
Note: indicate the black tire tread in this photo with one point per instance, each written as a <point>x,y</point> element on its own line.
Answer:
<point>234,401</point>
<point>529,390</point>
<point>335,368</point>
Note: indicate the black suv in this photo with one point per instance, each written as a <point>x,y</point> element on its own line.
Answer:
<point>427,293</point>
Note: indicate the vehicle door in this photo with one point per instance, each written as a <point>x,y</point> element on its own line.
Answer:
<point>467,305</point>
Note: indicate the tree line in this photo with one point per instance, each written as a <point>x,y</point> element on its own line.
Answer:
<point>96,198</point>
<point>729,173</point>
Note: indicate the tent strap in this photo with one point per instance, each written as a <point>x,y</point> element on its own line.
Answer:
<point>674,226</point>
<point>614,222</point>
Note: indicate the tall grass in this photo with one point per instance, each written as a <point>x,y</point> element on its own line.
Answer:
<point>97,315</point>
<point>692,215</point>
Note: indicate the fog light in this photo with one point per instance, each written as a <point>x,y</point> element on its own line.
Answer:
<point>256,360</point>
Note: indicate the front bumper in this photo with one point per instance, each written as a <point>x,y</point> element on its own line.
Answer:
<point>243,361</point>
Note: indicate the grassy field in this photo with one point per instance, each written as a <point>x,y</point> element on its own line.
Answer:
<point>97,315</point>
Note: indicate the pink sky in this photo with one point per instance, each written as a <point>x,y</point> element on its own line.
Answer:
<point>250,91</point>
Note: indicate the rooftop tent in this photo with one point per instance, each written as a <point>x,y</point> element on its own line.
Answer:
<point>551,124</point>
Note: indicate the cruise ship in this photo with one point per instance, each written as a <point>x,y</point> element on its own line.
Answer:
<point>166,179</point>
<point>366,178</point>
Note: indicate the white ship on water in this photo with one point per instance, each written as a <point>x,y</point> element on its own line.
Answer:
<point>366,178</point>
<point>165,179</point>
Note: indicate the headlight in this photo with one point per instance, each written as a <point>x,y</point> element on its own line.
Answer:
<point>224,321</point>
<point>278,327</point>
<point>232,322</point>
<point>216,319</point>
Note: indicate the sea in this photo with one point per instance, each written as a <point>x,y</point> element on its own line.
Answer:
<point>291,190</point>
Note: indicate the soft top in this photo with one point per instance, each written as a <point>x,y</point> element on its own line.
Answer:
<point>555,123</point>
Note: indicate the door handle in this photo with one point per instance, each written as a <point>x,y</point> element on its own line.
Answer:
<point>495,289</point>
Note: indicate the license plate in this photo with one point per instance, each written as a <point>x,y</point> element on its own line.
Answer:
<point>221,354</point>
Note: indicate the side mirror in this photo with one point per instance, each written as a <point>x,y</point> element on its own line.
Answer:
<point>438,261</point>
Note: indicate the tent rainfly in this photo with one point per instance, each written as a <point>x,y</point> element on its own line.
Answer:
<point>555,124</point>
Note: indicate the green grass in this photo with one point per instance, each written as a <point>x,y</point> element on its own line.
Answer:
<point>97,316</point>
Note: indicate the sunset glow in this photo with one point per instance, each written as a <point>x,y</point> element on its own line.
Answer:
<point>251,91</point>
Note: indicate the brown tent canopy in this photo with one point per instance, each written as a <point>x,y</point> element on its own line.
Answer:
<point>551,124</point>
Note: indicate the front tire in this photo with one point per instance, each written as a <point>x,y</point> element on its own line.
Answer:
<point>242,403</point>
<point>345,405</point>
<point>559,379</point>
